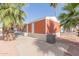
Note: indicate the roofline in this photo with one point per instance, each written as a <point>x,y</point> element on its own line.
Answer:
<point>46,17</point>
<point>36,20</point>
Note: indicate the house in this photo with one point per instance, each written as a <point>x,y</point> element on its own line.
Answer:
<point>43,26</point>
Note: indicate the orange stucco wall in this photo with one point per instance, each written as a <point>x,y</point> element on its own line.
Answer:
<point>39,27</point>
<point>30,27</point>
<point>44,26</point>
<point>52,27</point>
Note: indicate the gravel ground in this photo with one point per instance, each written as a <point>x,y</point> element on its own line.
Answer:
<point>37,47</point>
<point>66,45</point>
<point>72,40</point>
<point>28,46</point>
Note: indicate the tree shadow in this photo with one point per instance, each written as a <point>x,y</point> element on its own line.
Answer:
<point>62,47</point>
<point>67,41</point>
<point>56,49</point>
<point>73,46</point>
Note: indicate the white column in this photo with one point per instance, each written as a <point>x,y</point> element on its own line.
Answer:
<point>32,27</point>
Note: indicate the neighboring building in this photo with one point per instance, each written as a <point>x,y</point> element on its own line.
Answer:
<point>46,25</point>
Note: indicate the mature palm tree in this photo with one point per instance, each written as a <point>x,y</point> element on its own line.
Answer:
<point>51,38</point>
<point>70,18</point>
<point>11,15</point>
<point>54,5</point>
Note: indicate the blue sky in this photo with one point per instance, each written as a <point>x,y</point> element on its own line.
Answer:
<point>35,11</point>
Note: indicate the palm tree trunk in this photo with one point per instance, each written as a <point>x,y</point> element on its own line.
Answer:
<point>8,34</point>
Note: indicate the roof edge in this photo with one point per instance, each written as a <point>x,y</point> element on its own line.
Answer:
<point>53,18</point>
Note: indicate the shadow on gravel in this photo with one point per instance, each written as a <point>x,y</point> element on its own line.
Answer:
<point>62,47</point>
<point>73,47</point>
<point>55,49</point>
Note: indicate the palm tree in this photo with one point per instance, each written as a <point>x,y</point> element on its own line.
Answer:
<point>54,5</point>
<point>51,38</point>
<point>70,18</point>
<point>11,15</point>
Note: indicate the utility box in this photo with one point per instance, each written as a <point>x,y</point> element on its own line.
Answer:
<point>51,38</point>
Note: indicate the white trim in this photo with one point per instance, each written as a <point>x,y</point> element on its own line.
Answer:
<point>53,18</point>
<point>32,27</point>
<point>39,19</point>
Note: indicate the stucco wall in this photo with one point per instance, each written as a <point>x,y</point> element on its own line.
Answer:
<point>45,26</point>
<point>39,27</point>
